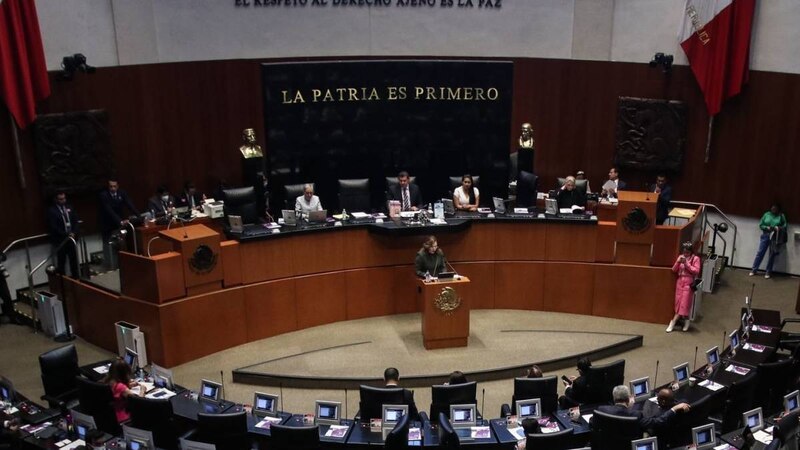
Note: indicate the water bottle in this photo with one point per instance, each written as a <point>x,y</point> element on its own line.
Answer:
<point>344,214</point>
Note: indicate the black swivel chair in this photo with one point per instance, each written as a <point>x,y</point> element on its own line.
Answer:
<point>448,438</point>
<point>59,367</point>
<point>392,181</point>
<point>442,396</point>
<point>241,202</point>
<point>225,431</point>
<point>97,400</point>
<point>740,398</point>
<point>560,440</point>
<point>527,185</point>
<point>545,388</point>
<point>397,439</point>
<point>291,192</point>
<point>154,415</point>
<point>372,399</point>
<point>290,438</point>
<point>773,384</point>
<point>786,430</point>
<point>601,380</point>
<point>354,195</point>
<point>579,184</point>
<point>456,182</point>
<point>610,432</point>
<point>679,430</point>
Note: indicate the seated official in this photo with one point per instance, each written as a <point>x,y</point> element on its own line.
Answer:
<point>577,388</point>
<point>190,198</point>
<point>466,197</point>
<point>430,260</point>
<point>162,203</point>
<point>456,377</point>
<point>622,407</point>
<point>407,193</point>
<point>534,372</point>
<point>119,378</point>
<point>391,377</point>
<point>613,185</point>
<point>308,201</point>
<point>570,196</point>
<point>664,192</point>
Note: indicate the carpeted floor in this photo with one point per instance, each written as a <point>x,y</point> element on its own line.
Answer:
<point>394,336</point>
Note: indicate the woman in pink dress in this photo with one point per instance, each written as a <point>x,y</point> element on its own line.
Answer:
<point>119,378</point>
<point>687,266</point>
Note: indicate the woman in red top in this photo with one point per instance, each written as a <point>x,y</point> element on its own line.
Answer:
<point>687,266</point>
<point>119,378</point>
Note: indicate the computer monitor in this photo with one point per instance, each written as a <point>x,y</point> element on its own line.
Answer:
<point>712,356</point>
<point>499,205</point>
<point>531,408</point>
<point>640,388</point>
<point>236,224</point>
<point>650,443</point>
<point>82,423</point>
<point>744,322</point>
<point>734,340</point>
<point>210,391</point>
<point>463,416</point>
<point>137,439</point>
<point>791,401</point>
<point>392,414</point>
<point>289,217</point>
<point>328,412</point>
<point>7,392</point>
<point>318,216</point>
<point>132,359</point>
<point>681,373</point>
<point>195,445</point>
<point>551,206</point>
<point>265,404</point>
<point>162,377</point>
<point>703,437</point>
<point>753,419</point>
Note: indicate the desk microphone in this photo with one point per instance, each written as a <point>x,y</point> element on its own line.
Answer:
<point>695,358</point>
<point>280,386</point>
<point>655,378</point>
<point>451,266</point>
<point>345,404</point>
<point>724,335</point>
<point>483,400</point>
<point>222,384</point>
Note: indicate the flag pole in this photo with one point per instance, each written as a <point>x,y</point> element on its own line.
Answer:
<point>17,152</point>
<point>708,139</point>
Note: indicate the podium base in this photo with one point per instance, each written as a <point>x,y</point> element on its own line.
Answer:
<point>434,344</point>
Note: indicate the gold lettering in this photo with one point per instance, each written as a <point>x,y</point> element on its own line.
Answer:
<point>431,93</point>
<point>341,92</point>
<point>298,98</point>
<point>373,95</point>
<point>353,94</point>
<point>418,90</point>
<point>328,96</point>
<point>316,93</point>
<point>467,93</point>
<point>492,93</point>
<point>479,94</point>
<point>454,94</point>
<point>285,97</point>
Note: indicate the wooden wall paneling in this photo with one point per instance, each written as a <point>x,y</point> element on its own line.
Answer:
<point>519,241</point>
<point>404,290</point>
<point>633,254</point>
<point>382,250</point>
<point>519,285</point>
<point>481,287</point>
<point>95,314</point>
<point>198,326</point>
<point>569,287</point>
<point>606,212</point>
<point>570,242</point>
<point>475,244</point>
<point>147,317</point>
<point>269,309</point>
<point>606,234</point>
<point>231,263</point>
<point>156,279</point>
<point>268,259</point>
<point>369,292</point>
<point>666,245</point>
<point>320,299</point>
<point>318,252</point>
<point>644,294</point>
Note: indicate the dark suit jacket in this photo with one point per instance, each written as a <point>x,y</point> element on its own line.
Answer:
<point>578,391</point>
<point>112,211</point>
<point>568,198</point>
<point>155,205</point>
<point>408,399</point>
<point>56,226</point>
<point>183,200</point>
<point>645,423</point>
<point>662,208</point>
<point>415,196</point>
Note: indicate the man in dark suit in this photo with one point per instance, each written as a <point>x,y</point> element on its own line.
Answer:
<point>613,185</point>
<point>190,198</point>
<point>622,407</point>
<point>406,193</point>
<point>392,378</point>
<point>63,222</point>
<point>664,192</point>
<point>113,202</point>
<point>162,203</point>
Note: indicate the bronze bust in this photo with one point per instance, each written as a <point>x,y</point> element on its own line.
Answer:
<point>526,138</point>
<point>250,149</point>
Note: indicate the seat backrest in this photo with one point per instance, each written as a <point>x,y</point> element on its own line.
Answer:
<point>442,396</point>
<point>397,439</point>
<point>448,438</point>
<point>545,388</point>
<point>372,400</point>
<point>354,195</point>
<point>241,202</point>
<point>456,182</point>
<point>291,192</point>
<point>786,430</point>
<point>289,438</point>
<point>773,382</point>
<point>611,432</point>
<point>154,415</point>
<point>740,398</point>
<point>97,400</point>
<point>679,431</point>
<point>601,379</point>
<point>59,367</point>
<point>226,431</point>
<point>560,440</point>
<point>579,184</point>
<point>527,185</point>
<point>392,181</point>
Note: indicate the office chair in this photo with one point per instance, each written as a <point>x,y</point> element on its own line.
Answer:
<point>448,438</point>
<point>527,185</point>
<point>241,202</point>
<point>786,430</point>
<point>772,385</point>
<point>545,388</point>
<point>154,415</point>
<point>601,380</point>
<point>442,396</point>
<point>560,440</point>
<point>397,439</point>
<point>456,182</point>
<point>579,184</point>
<point>97,400</point>
<point>513,166</point>
<point>610,432</point>
<point>372,399</point>
<point>354,195</point>
<point>392,181</point>
<point>225,431</point>
<point>290,438</point>
<point>291,192</point>
<point>679,431</point>
<point>59,367</point>
<point>740,398</point>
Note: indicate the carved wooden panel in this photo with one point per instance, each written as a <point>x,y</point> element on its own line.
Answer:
<point>651,134</point>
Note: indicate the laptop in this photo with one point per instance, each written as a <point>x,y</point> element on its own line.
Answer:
<point>318,216</point>
<point>449,206</point>
<point>236,224</point>
<point>551,206</point>
<point>289,217</point>
<point>499,205</point>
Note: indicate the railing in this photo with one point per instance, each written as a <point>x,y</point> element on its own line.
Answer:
<point>724,217</point>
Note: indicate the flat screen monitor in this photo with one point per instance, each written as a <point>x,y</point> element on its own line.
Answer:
<point>499,205</point>
<point>82,423</point>
<point>162,377</point>
<point>712,356</point>
<point>328,412</point>
<point>753,419</point>
<point>531,408</point>
<point>734,339</point>
<point>210,390</point>
<point>392,414</point>
<point>265,404</point>
<point>681,373</point>
<point>791,401</point>
<point>640,388</point>
<point>463,416</point>
<point>318,216</point>
<point>194,445</point>
<point>289,217</point>
<point>703,437</point>
<point>132,359</point>
<point>236,224</point>
<point>7,392</point>
<point>650,443</point>
<point>137,439</point>
<point>744,322</point>
<point>551,206</point>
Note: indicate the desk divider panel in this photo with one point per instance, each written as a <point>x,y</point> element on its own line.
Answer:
<point>519,285</point>
<point>569,287</point>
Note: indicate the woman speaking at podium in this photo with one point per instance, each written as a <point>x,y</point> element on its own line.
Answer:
<point>430,260</point>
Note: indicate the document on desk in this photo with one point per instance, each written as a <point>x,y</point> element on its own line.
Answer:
<point>266,422</point>
<point>761,329</point>
<point>708,384</point>
<point>337,431</point>
<point>414,434</point>
<point>102,370</point>
<point>438,221</point>
<point>161,393</point>
<point>480,432</point>
<point>763,436</point>
<point>739,370</point>
<point>754,347</point>
<point>359,215</point>
<point>74,444</point>
<point>587,417</point>
<point>518,433</point>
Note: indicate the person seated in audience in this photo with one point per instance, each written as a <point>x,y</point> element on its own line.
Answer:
<point>405,192</point>
<point>664,192</point>
<point>466,197</point>
<point>308,201</point>
<point>119,378</point>
<point>190,198</point>
<point>571,196</point>
<point>534,372</point>
<point>391,377</point>
<point>457,377</point>
<point>577,388</point>
<point>162,203</point>
<point>430,259</point>
<point>529,426</point>
<point>622,407</point>
<point>10,431</point>
<point>613,185</point>
<point>581,175</point>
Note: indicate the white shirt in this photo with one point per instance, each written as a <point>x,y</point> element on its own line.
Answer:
<point>463,197</point>
<point>305,206</point>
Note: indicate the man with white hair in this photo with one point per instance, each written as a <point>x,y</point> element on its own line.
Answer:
<point>622,407</point>
<point>308,201</point>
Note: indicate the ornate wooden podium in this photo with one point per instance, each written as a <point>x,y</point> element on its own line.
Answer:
<point>445,313</point>
<point>636,223</point>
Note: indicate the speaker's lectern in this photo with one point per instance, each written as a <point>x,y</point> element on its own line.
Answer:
<point>445,313</point>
